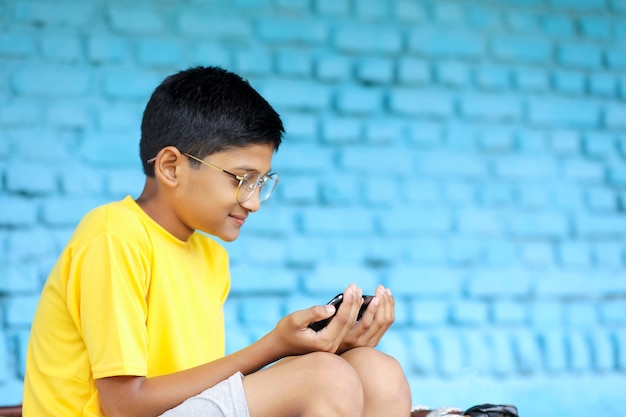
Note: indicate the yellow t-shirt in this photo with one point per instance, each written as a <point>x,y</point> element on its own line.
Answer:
<point>124,298</point>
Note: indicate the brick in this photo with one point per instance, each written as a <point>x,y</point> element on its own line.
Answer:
<point>602,85</point>
<point>558,26</point>
<point>382,132</point>
<point>290,30</point>
<point>51,81</point>
<point>375,70</point>
<point>476,351</point>
<point>30,178</point>
<point>619,337</point>
<point>455,74</point>
<point>414,102</point>
<point>463,251</point>
<point>459,193</point>
<point>616,177</point>
<point>300,127</point>
<point>450,358</point>
<point>554,350</point>
<point>455,43</point>
<point>238,338</point>
<point>602,350</point>
<point>509,312</point>
<point>527,351</point>
<point>452,164</point>
<point>502,354</point>
<point>579,351</point>
<point>565,142</point>
<point>333,68</point>
<point>15,114</point>
<point>261,311</point>
<point>339,131</point>
<point>261,279</point>
<point>130,84</point>
<point>581,314</point>
<point>20,309</point>
<point>424,133</point>
<point>609,255</point>
<point>64,13</point>
<point>423,192</point>
<point>136,20</point>
<point>430,313</point>
<point>67,211</point>
<point>341,192</point>
<point>534,197</point>
<point>588,226</point>
<point>388,161</point>
<point>216,54</point>
<point>61,48</point>
<point>601,200</point>
<point>117,117</point>
<point>574,255</point>
<point>107,49</point>
<point>253,62</point>
<point>394,343</point>
<point>424,282</point>
<point>399,222</point>
<point>80,181</point>
<point>294,64</point>
<point>579,55</point>
<point>493,77</point>
<point>352,248</point>
<point>523,49</point>
<point>68,115</point>
<point>616,59</point>
<point>296,95</point>
<point>18,278</point>
<point>564,112</point>
<point>498,140</point>
<point>426,357</point>
<point>531,79</point>
<point>359,100</point>
<point>523,21</point>
<point>569,82</point>
<point>491,107</point>
<point>469,313</point>
<point>17,211</point>
<point>299,190</point>
<point>546,313</point>
<point>426,251</point>
<point>478,222</point>
<point>330,279</point>
<point>110,149</point>
<point>162,52</point>
<point>580,5</point>
<point>616,116</point>
<point>332,7</point>
<point>525,168</point>
<point>366,39</point>
<point>596,28</point>
<point>336,222</point>
<point>413,71</point>
<point>302,159</point>
<point>382,192</point>
<point>499,283</point>
<point>16,45</point>
<point>496,195</point>
<point>409,11</point>
<point>500,253</point>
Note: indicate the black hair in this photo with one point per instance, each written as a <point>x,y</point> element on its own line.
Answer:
<point>204,110</point>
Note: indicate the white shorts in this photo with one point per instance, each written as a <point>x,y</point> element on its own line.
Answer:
<point>226,399</point>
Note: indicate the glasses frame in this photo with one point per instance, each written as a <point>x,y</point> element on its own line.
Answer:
<point>241,178</point>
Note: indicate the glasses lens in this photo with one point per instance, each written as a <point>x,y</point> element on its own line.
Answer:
<point>267,187</point>
<point>248,186</point>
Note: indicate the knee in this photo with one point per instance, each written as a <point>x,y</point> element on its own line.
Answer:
<point>335,385</point>
<point>382,377</point>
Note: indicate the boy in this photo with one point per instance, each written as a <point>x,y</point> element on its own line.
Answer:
<point>130,320</point>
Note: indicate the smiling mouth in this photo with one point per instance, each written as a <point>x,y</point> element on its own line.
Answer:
<point>239,220</point>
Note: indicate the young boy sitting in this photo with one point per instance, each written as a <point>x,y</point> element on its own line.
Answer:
<point>130,321</point>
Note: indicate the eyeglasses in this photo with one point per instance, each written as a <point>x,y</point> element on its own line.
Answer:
<point>248,182</point>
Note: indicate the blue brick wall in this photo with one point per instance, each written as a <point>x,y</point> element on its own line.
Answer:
<point>470,155</point>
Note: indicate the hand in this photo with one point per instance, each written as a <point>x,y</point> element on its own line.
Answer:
<point>376,320</point>
<point>296,338</point>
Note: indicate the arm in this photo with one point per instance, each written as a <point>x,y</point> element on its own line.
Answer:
<point>131,396</point>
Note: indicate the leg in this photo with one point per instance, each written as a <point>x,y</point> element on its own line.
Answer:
<point>314,385</point>
<point>385,387</point>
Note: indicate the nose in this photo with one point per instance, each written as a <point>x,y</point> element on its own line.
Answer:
<point>253,203</point>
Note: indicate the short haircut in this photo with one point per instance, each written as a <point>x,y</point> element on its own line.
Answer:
<point>204,110</point>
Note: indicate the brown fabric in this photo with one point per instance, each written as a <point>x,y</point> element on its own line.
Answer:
<point>15,411</point>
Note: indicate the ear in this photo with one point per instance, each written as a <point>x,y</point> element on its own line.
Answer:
<point>168,165</point>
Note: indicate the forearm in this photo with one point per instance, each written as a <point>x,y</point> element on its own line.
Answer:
<point>150,397</point>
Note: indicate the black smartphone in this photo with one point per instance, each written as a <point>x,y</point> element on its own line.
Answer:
<point>336,301</point>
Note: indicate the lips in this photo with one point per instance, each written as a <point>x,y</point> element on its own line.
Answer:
<point>239,220</point>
